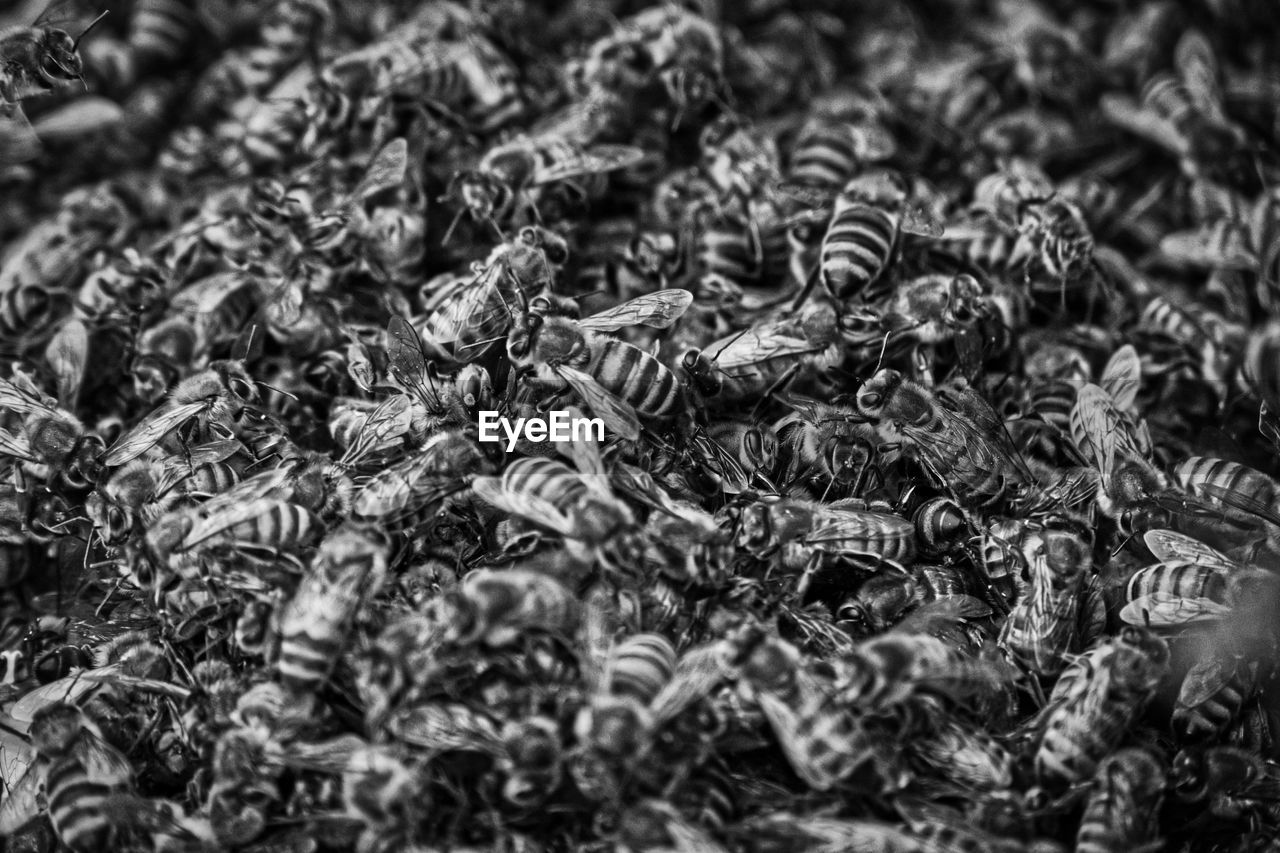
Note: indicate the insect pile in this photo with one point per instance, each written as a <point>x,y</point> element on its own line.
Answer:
<point>935,353</point>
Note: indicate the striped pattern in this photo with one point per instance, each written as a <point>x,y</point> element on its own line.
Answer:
<point>857,247</point>
<point>75,805</point>
<point>825,154</point>
<point>635,376</point>
<point>640,666</point>
<point>161,30</point>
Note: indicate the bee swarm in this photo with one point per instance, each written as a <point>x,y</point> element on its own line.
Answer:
<point>930,379</point>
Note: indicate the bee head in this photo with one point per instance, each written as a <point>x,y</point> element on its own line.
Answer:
<point>59,61</point>
<point>875,393</point>
<point>759,449</point>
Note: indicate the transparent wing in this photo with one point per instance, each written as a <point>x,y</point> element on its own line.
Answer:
<point>22,401</point>
<point>102,762</point>
<point>1171,546</point>
<point>600,158</point>
<point>65,14</point>
<point>1207,678</point>
<point>68,353</point>
<point>1163,610</point>
<point>918,219</point>
<point>658,310</point>
<point>696,675</point>
<point>1127,114</point>
<point>407,362</point>
<point>147,434</point>
<point>21,796</point>
<point>71,689</point>
<point>386,171</point>
<point>1122,376</point>
<point>18,140</point>
<point>392,419</point>
<point>752,347</point>
<point>616,413</point>
<point>228,517</point>
<point>1099,432</point>
<point>527,506</point>
<point>16,446</point>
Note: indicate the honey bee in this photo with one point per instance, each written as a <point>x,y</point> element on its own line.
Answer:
<point>1121,810</point>
<point>385,794</point>
<point>617,380</point>
<point>512,177</point>
<point>754,362</point>
<point>496,608</point>
<point>966,755</point>
<point>821,739</point>
<point>870,214</point>
<point>37,59</point>
<point>215,395</point>
<point>1191,582</point>
<point>894,668</point>
<point>960,442</point>
<point>800,532</point>
<point>51,439</point>
<point>347,570</point>
<point>1182,112</point>
<point>532,761</point>
<point>1214,692</point>
<point>1094,703</point>
<point>1040,630</point>
<point>78,770</point>
<point>827,447</point>
<point>838,137</point>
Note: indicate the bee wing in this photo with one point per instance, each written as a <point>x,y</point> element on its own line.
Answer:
<point>392,419</point>
<point>85,115</point>
<point>1163,610</point>
<point>224,519</point>
<point>406,360</point>
<point>1207,678</point>
<point>617,414</point>
<point>18,140</point>
<point>752,347</point>
<point>65,14</point>
<point>67,353</point>
<point>1122,376</point>
<point>1124,112</point>
<point>387,170</point>
<point>918,219</point>
<point>658,310</point>
<point>437,726</point>
<point>213,452</point>
<point>696,675</point>
<point>16,446</point>
<point>102,762</point>
<point>329,756</point>
<point>147,434</point>
<point>522,504</point>
<point>586,455</point>
<point>1242,502</point>
<point>873,142</point>
<point>599,158</point>
<point>23,401</point>
<point>21,793</point>
<point>1197,64</point>
<point>1100,434</point>
<point>205,296</point>
<point>70,689</point>
<point>1171,547</point>
<point>819,199</point>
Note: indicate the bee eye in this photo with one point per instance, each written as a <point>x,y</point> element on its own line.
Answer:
<point>529,236</point>
<point>557,254</point>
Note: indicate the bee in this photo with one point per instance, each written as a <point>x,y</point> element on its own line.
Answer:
<point>347,570</point>
<point>468,315</point>
<point>837,138</point>
<point>37,59</point>
<point>894,668</point>
<point>869,216</point>
<point>216,395</point>
<point>960,442</point>
<point>532,761</point>
<point>1094,703</point>
<point>497,608</point>
<point>578,503</point>
<point>385,794</point>
<point>821,739</point>
<point>1122,807</point>
<point>1215,774</point>
<point>160,30</point>
<point>1192,582</point>
<point>826,447</point>
<point>965,754</point>
<point>800,532</point>
<point>1239,491</point>
<point>512,177</point>
<point>52,439</point>
<point>617,380</point>
<point>78,770</point>
<point>640,691</point>
<point>406,497</point>
<point>756,361</point>
<point>1213,693</point>
<point>1181,111</point>
<point>1040,630</point>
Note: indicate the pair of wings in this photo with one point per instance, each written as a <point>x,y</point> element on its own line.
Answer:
<point>67,354</point>
<point>1101,426</point>
<point>500,492</point>
<point>403,490</point>
<point>914,218</point>
<point>102,763</point>
<point>1161,609</point>
<point>596,160</point>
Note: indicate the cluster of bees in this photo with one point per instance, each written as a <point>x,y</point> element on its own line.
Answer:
<point>937,354</point>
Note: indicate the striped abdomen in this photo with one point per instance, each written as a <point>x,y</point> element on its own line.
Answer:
<point>635,376</point>
<point>858,246</point>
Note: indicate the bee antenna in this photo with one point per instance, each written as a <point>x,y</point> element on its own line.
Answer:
<point>444,241</point>
<point>75,44</point>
